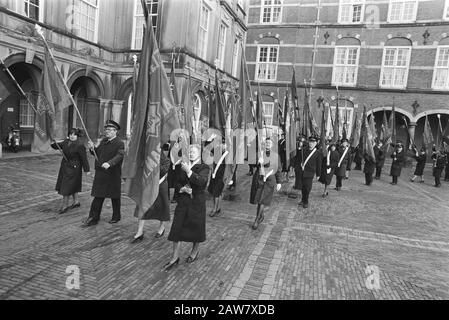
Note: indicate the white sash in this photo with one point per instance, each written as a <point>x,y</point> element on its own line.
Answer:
<point>194,163</point>
<point>342,157</point>
<point>308,158</point>
<point>163,179</point>
<point>175,164</point>
<point>219,163</point>
<point>267,175</point>
<point>328,162</point>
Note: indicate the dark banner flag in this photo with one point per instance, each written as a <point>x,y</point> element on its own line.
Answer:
<point>219,121</point>
<point>155,121</point>
<point>336,136</point>
<point>51,107</point>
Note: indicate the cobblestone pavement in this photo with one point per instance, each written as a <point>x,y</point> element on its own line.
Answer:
<point>324,254</point>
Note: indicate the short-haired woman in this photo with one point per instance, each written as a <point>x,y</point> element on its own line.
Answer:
<point>74,160</point>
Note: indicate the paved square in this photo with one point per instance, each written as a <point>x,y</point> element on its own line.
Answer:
<point>401,231</point>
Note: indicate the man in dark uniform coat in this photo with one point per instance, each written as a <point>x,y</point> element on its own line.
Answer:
<point>340,171</point>
<point>398,157</point>
<point>380,159</point>
<point>108,171</point>
<point>310,161</point>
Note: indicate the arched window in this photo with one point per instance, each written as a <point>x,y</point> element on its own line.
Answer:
<point>395,63</point>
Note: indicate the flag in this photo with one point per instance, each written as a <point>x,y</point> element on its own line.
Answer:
<point>290,127</point>
<point>427,134</point>
<point>367,136</point>
<point>336,136</point>
<point>218,121</point>
<point>52,103</point>
<point>323,131</point>
<point>355,132</point>
<point>156,119</point>
<point>372,125</point>
<point>385,131</point>
<point>294,101</point>
<point>187,110</point>
<point>259,112</point>
<point>393,125</point>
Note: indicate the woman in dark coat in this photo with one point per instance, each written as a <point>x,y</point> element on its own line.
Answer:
<point>440,161</point>
<point>368,169</point>
<point>297,166</point>
<point>344,157</point>
<point>189,220</point>
<point>160,210</point>
<point>267,180</point>
<point>330,161</point>
<point>398,157</point>
<point>217,183</point>
<point>420,164</point>
<point>70,172</point>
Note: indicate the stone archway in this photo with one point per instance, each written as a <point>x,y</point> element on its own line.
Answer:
<point>405,126</point>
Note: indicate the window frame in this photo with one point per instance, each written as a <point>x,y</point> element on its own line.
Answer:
<point>446,86</point>
<point>221,51</point>
<point>446,10</point>
<point>136,15</point>
<point>415,11</point>
<point>202,51</point>
<point>236,54</point>
<point>30,114</point>
<point>266,114</point>
<point>346,65</point>
<point>342,110</point>
<point>77,24</point>
<point>269,46</point>
<point>272,6</point>
<point>362,14</point>
<point>20,8</point>
<point>395,66</point>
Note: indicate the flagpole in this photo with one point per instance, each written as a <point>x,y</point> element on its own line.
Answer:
<point>18,86</point>
<point>312,71</point>
<point>40,32</point>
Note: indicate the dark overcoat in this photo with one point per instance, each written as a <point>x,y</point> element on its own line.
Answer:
<point>439,165</point>
<point>160,210</point>
<point>312,167</point>
<point>298,169</point>
<point>326,177</point>
<point>70,172</point>
<point>370,164</point>
<point>216,184</point>
<point>340,171</point>
<point>380,156</point>
<point>420,164</point>
<point>398,163</point>
<point>189,220</point>
<point>262,191</point>
<point>107,182</point>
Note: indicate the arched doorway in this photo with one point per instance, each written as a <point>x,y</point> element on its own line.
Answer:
<point>15,109</point>
<point>86,94</point>
<point>401,122</point>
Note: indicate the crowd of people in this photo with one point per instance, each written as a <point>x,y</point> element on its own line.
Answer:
<point>191,178</point>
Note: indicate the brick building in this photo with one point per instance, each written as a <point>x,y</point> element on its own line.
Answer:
<point>377,53</point>
<point>94,42</point>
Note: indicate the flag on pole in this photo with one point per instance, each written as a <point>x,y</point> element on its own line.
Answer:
<point>384,132</point>
<point>372,125</point>
<point>51,107</point>
<point>187,109</point>
<point>323,131</point>
<point>153,124</point>
<point>336,136</point>
<point>427,134</point>
<point>393,124</point>
<point>367,136</point>
<point>355,132</point>
<point>218,119</point>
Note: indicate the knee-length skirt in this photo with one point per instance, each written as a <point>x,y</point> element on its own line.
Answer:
<point>160,210</point>
<point>265,191</point>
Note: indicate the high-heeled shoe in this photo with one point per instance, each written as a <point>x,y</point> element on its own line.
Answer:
<point>190,259</point>
<point>325,194</point>
<point>75,205</point>
<point>64,210</point>
<point>170,265</point>
<point>138,239</point>
<point>158,235</point>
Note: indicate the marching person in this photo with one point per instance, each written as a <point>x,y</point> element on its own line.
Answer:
<point>189,220</point>
<point>368,168</point>
<point>380,158</point>
<point>310,162</point>
<point>283,155</point>
<point>398,157</point>
<point>217,183</point>
<point>440,161</point>
<point>301,145</point>
<point>358,157</point>
<point>330,161</point>
<point>340,170</point>
<point>108,171</point>
<point>73,162</point>
<point>267,179</point>
<point>160,210</point>
<point>420,158</point>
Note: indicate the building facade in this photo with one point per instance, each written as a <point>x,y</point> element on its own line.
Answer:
<point>95,43</point>
<point>378,53</point>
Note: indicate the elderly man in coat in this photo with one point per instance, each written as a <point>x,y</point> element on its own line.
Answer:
<point>108,171</point>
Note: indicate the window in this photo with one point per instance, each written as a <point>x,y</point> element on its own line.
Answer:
<point>446,10</point>
<point>346,113</point>
<point>203,33</point>
<point>139,21</point>
<point>268,108</point>
<point>270,11</point>
<point>86,19</point>
<point>346,62</point>
<point>267,58</point>
<point>32,9</point>
<point>395,65</point>
<point>27,112</point>
<point>402,11</point>
<point>235,55</point>
<point>351,11</point>
<point>221,45</point>
<point>441,72</point>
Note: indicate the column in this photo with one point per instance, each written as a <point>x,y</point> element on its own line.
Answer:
<point>116,111</point>
<point>103,116</point>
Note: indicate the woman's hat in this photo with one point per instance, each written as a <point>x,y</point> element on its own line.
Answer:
<point>112,124</point>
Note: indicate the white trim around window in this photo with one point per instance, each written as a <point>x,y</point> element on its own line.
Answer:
<point>351,11</point>
<point>271,11</point>
<point>346,65</point>
<point>83,24</point>
<point>446,10</point>
<point>268,111</point>
<point>203,30</point>
<point>222,34</point>
<point>23,7</point>
<point>440,79</point>
<point>267,62</point>
<point>395,67</point>
<point>402,11</point>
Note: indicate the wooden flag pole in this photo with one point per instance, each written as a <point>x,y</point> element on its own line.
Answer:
<point>72,100</point>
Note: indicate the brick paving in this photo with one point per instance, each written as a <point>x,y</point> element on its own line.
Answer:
<point>403,230</point>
